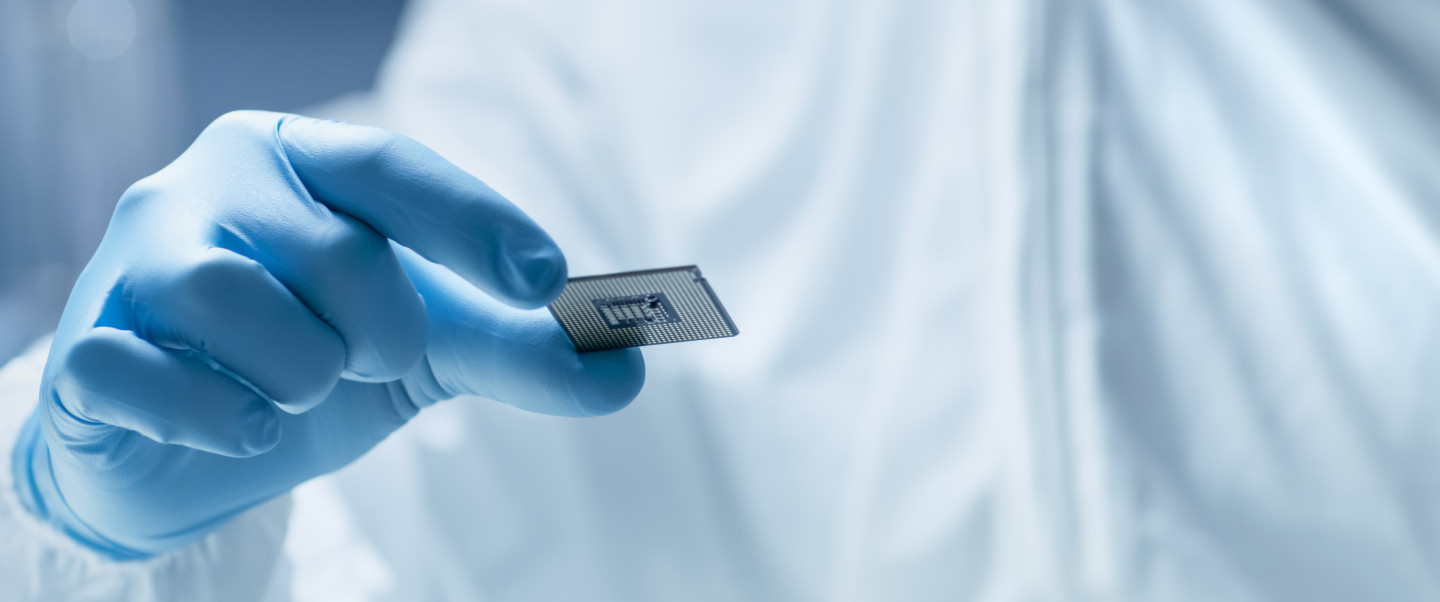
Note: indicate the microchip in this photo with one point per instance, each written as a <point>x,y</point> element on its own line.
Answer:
<point>649,307</point>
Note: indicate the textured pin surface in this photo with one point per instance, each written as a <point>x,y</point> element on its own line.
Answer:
<point>649,307</point>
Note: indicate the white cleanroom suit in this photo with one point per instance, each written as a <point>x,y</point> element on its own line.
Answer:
<point>1106,300</point>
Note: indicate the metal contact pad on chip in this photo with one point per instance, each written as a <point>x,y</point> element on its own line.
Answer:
<point>637,310</point>
<point>631,309</point>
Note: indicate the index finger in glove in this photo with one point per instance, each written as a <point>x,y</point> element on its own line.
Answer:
<point>415,197</point>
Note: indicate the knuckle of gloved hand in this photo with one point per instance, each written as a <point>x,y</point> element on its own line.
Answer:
<point>302,386</point>
<point>77,385</point>
<point>309,372</point>
<point>345,241</point>
<point>386,328</point>
<point>214,273</point>
<point>301,374</point>
<point>343,258</point>
<point>243,122</point>
<point>300,365</point>
<point>236,134</point>
<point>224,131</point>
<point>143,193</point>
<point>346,147</point>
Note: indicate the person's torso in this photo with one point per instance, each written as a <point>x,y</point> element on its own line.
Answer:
<point>1047,301</point>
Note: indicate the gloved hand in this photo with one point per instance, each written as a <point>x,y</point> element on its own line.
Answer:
<point>246,325</point>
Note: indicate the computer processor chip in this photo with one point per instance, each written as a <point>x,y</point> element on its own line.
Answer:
<point>649,307</point>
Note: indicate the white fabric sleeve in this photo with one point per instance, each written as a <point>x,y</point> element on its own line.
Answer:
<point>242,561</point>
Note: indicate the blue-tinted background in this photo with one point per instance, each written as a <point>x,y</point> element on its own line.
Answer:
<point>277,54</point>
<point>95,94</point>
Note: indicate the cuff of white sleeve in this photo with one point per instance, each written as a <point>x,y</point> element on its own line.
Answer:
<point>243,560</point>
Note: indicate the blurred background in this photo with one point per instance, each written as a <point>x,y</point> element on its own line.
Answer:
<point>95,94</point>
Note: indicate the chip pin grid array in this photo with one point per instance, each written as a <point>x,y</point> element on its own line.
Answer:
<point>649,307</point>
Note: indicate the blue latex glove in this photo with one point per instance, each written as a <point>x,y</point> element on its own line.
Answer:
<point>246,325</point>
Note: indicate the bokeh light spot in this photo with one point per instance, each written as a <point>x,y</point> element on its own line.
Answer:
<point>101,29</point>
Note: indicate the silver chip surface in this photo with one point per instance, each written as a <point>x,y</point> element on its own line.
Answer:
<point>648,307</point>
